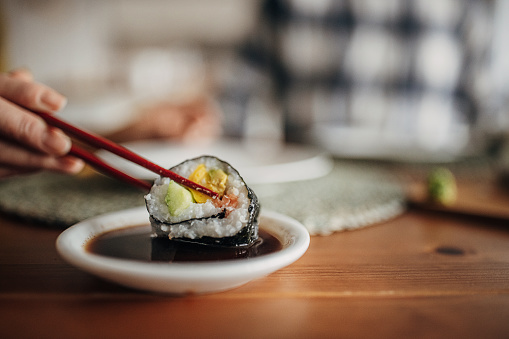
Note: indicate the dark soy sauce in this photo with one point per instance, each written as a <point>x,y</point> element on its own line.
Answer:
<point>136,243</point>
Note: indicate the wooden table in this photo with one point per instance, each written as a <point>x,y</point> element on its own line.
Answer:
<point>421,275</point>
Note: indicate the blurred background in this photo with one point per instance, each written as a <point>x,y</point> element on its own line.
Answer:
<point>424,80</point>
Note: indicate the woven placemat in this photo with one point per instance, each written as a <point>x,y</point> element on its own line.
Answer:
<point>60,201</point>
<point>349,197</point>
<point>352,196</point>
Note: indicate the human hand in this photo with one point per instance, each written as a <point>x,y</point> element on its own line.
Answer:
<point>197,121</point>
<point>27,143</point>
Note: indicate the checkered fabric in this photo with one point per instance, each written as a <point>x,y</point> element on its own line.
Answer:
<point>416,69</point>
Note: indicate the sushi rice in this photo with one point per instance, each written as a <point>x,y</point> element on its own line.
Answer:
<point>205,220</point>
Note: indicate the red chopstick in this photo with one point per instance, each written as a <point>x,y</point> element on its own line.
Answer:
<point>103,167</point>
<point>103,143</point>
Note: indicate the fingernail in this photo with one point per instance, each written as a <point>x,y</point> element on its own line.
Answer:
<point>54,101</point>
<point>71,165</point>
<point>56,142</point>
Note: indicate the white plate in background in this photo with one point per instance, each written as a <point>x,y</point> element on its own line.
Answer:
<point>257,163</point>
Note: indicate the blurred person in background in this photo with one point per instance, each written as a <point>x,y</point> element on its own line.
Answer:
<point>67,42</point>
<point>402,79</point>
<point>28,144</point>
<point>364,78</point>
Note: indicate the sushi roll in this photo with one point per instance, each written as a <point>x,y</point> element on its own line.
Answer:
<point>183,214</point>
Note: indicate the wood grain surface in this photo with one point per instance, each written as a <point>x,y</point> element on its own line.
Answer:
<point>425,274</point>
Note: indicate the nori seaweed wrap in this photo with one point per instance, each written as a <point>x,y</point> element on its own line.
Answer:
<point>183,214</point>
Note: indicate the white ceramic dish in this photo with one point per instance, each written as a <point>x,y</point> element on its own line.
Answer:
<point>259,163</point>
<point>179,278</point>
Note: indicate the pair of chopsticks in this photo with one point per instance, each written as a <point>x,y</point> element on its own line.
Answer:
<point>108,145</point>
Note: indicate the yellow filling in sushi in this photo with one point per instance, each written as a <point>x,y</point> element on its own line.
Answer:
<point>213,179</point>
<point>178,198</point>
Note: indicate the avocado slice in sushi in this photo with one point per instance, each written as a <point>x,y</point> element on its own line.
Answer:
<point>178,198</point>
<point>230,220</point>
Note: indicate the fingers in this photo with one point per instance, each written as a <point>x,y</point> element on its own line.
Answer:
<point>19,89</point>
<point>195,122</point>
<point>30,130</point>
<point>16,159</point>
<point>27,143</point>
<point>21,74</point>
<point>204,123</point>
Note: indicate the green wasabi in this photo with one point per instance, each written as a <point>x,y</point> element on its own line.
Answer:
<point>442,186</point>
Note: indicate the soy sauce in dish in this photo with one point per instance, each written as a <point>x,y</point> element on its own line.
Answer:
<point>136,243</point>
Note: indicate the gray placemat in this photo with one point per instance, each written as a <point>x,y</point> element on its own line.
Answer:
<point>60,201</point>
<point>350,197</point>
